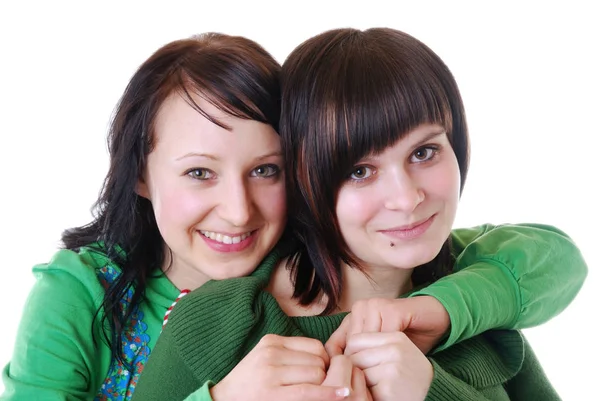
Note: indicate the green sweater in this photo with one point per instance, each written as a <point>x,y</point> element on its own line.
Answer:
<point>214,327</point>
<point>520,275</point>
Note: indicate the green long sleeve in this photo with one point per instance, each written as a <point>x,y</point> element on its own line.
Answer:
<point>60,353</point>
<point>531,383</point>
<point>446,387</point>
<point>54,355</point>
<point>507,277</point>
<point>202,394</point>
<point>174,376</point>
<point>496,366</point>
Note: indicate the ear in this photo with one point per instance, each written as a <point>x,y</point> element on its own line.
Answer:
<point>141,188</point>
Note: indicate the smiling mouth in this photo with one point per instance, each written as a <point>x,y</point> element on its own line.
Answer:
<point>411,231</point>
<point>224,238</point>
<point>409,226</point>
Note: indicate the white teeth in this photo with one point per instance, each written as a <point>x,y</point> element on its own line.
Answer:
<point>226,239</point>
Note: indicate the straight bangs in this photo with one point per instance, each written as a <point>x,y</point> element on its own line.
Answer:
<point>369,97</point>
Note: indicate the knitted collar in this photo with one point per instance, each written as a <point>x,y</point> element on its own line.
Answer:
<point>215,326</point>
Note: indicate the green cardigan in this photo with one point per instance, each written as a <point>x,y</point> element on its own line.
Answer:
<point>213,328</point>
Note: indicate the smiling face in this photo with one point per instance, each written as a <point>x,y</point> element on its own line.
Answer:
<point>218,195</point>
<point>396,208</point>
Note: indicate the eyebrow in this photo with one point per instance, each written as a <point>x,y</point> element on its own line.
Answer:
<point>429,137</point>
<point>216,158</point>
<point>272,154</point>
<point>194,154</point>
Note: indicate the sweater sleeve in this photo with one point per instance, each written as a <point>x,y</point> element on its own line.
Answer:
<point>166,375</point>
<point>507,277</point>
<point>54,354</point>
<point>531,383</point>
<point>446,387</point>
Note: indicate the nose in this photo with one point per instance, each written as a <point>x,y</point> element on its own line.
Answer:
<point>236,204</point>
<point>403,193</point>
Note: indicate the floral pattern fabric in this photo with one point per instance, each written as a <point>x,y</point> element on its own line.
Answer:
<point>123,377</point>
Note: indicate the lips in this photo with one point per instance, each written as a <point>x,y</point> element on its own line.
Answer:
<point>228,242</point>
<point>408,226</point>
<point>410,231</point>
<point>226,238</point>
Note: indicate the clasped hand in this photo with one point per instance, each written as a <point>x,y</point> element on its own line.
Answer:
<point>376,354</point>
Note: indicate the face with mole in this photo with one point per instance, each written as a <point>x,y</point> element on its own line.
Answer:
<point>396,209</point>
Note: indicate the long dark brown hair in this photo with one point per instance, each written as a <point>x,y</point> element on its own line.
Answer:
<point>346,94</point>
<point>235,74</point>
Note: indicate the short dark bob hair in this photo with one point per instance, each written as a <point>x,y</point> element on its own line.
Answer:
<point>348,93</point>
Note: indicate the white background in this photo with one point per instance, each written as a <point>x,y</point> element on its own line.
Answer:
<point>528,73</point>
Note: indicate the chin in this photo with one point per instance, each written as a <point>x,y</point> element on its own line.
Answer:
<point>408,264</point>
<point>414,260</point>
<point>227,272</point>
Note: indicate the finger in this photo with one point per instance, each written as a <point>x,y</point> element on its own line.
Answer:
<point>372,321</point>
<point>305,344</point>
<point>311,392</point>
<point>370,357</point>
<point>284,356</point>
<point>361,341</point>
<point>382,385</point>
<point>357,318</point>
<point>337,342</point>
<point>360,392</point>
<point>395,317</point>
<point>292,374</point>
<point>374,376</point>
<point>339,373</point>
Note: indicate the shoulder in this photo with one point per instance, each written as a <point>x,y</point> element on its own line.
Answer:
<point>58,342</point>
<point>71,275</point>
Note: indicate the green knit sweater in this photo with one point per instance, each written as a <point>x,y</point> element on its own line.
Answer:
<point>196,349</point>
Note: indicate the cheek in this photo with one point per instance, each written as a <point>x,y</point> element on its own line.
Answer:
<point>272,203</point>
<point>176,207</point>
<point>354,208</point>
<point>444,183</point>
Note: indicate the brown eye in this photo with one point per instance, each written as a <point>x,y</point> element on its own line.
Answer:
<point>423,154</point>
<point>361,173</point>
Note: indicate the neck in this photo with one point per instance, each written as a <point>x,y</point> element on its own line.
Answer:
<point>372,283</point>
<point>182,276</point>
<point>281,286</point>
<point>356,285</point>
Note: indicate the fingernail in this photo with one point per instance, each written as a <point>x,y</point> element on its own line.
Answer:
<point>342,392</point>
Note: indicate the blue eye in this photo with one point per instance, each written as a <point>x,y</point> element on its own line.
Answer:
<point>200,174</point>
<point>266,171</point>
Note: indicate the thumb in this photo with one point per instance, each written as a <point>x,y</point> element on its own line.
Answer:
<point>311,392</point>
<point>339,373</point>
<point>337,342</point>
